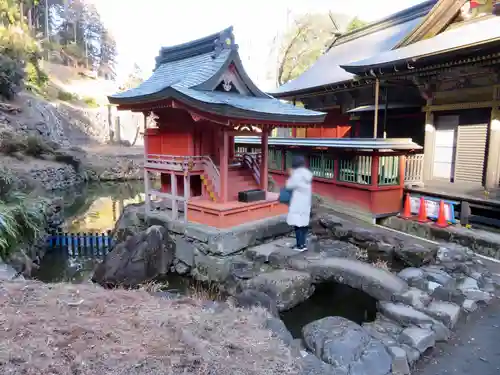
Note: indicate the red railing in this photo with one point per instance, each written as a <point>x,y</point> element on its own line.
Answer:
<point>251,162</point>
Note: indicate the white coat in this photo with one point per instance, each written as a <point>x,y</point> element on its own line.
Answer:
<point>299,212</point>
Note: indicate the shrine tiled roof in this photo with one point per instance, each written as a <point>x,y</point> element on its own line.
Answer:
<point>371,40</point>
<point>191,72</point>
<point>470,36</point>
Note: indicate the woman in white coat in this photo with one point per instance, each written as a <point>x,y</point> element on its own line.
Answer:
<point>299,211</point>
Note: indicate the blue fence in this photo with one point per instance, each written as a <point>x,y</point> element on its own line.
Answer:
<point>81,244</point>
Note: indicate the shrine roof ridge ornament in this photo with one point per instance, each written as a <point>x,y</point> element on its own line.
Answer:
<point>214,43</point>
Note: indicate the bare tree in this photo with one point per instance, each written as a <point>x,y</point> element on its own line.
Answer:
<point>306,40</point>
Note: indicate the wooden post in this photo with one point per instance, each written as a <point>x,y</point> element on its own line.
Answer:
<point>429,144</point>
<point>175,208</point>
<point>147,198</point>
<point>374,171</point>
<point>110,124</point>
<point>264,168</point>
<point>402,170</point>
<point>187,194</point>
<point>144,137</point>
<point>118,136</point>
<point>386,108</point>
<point>375,118</point>
<point>493,161</point>
<point>224,167</point>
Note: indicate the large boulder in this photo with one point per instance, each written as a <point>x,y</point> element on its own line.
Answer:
<point>287,287</point>
<point>347,347</point>
<point>253,298</point>
<point>130,222</point>
<point>142,257</point>
<point>416,255</point>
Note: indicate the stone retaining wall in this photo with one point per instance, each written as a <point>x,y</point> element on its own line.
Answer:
<point>57,178</point>
<point>480,241</point>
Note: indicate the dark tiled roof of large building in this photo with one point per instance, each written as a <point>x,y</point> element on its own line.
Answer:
<point>190,72</point>
<point>470,36</point>
<point>366,42</point>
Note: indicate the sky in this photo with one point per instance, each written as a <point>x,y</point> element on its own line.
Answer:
<point>141,27</point>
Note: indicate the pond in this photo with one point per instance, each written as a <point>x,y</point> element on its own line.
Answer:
<point>92,208</point>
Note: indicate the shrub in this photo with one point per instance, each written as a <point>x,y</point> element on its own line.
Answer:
<point>22,220</point>
<point>66,96</point>
<point>16,47</point>
<point>36,146</point>
<point>69,159</point>
<point>35,76</point>
<point>11,77</point>
<point>91,102</point>
<point>11,143</point>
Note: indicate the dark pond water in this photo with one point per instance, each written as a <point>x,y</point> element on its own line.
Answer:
<point>92,208</point>
<point>331,299</point>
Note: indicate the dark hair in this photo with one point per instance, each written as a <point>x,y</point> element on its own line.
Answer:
<point>298,162</point>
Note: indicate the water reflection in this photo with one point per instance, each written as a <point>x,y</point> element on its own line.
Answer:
<point>93,208</point>
<point>97,207</point>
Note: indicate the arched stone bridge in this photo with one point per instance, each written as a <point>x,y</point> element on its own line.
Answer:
<point>376,282</point>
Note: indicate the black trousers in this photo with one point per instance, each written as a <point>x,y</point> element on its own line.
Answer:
<point>301,236</point>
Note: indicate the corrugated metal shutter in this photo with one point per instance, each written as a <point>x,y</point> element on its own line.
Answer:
<point>471,149</point>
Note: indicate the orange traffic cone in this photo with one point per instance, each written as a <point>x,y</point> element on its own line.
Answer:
<point>422,211</point>
<point>441,219</point>
<point>406,208</point>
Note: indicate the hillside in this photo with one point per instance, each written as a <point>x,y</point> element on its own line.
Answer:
<point>70,128</point>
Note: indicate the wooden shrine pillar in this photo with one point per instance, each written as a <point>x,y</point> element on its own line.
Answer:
<point>224,167</point>
<point>375,169</point>
<point>264,157</point>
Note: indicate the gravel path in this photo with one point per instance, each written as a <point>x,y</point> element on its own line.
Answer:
<point>475,349</point>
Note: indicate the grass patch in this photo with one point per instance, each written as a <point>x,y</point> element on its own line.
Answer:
<point>22,217</point>
<point>91,102</point>
<point>36,146</point>
<point>137,334</point>
<point>66,96</point>
<point>11,143</point>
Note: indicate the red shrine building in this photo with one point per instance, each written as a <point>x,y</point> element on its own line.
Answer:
<point>201,98</point>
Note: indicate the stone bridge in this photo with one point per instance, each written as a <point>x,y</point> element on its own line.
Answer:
<point>376,282</point>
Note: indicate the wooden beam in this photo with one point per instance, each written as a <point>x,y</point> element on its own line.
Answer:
<point>459,106</point>
<point>441,15</point>
<point>242,133</point>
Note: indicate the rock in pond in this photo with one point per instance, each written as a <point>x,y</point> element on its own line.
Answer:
<point>347,347</point>
<point>287,287</point>
<point>140,258</point>
<point>312,365</point>
<point>407,316</point>
<point>130,223</point>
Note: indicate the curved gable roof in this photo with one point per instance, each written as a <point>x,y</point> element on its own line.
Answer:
<point>360,44</point>
<point>190,72</point>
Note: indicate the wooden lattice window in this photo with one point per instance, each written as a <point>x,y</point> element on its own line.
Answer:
<point>356,169</point>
